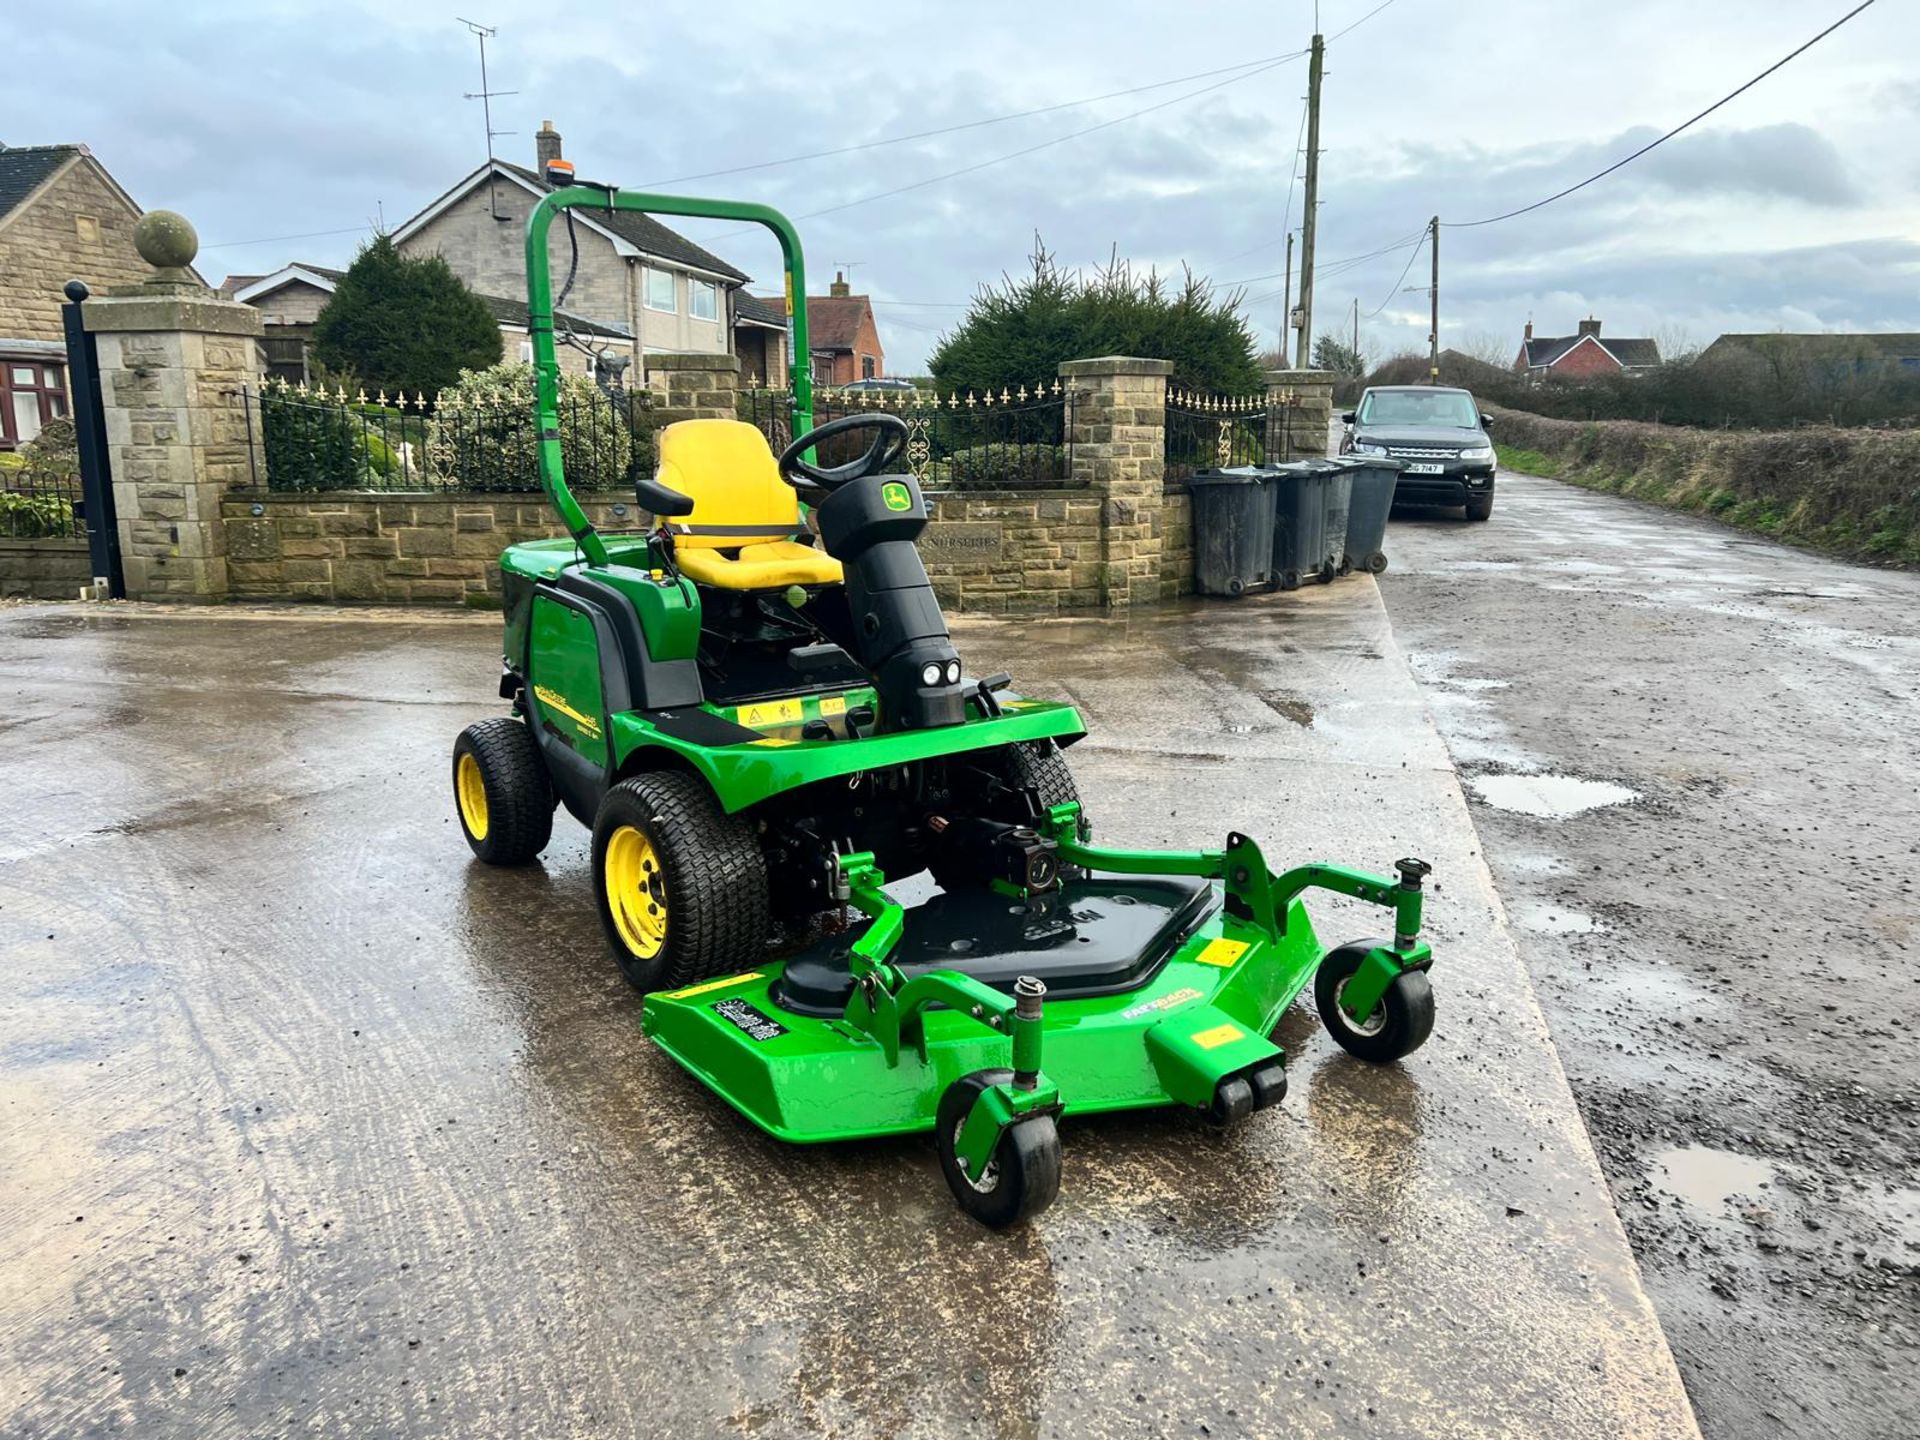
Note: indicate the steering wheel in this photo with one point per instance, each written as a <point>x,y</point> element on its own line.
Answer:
<point>889,444</point>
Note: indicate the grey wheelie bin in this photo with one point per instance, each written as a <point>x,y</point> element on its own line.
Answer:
<point>1309,497</point>
<point>1374,478</point>
<point>1232,530</point>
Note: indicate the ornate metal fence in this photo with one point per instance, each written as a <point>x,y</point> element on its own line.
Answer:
<point>329,440</point>
<point>38,503</point>
<point>1206,432</point>
<point>1018,439</point>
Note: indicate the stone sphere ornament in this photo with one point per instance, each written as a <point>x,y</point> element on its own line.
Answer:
<point>165,240</point>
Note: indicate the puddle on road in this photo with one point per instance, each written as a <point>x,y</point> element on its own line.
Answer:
<point>1710,1180</point>
<point>1545,919</point>
<point>1550,797</point>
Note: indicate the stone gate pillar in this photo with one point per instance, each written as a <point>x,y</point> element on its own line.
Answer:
<point>173,358</point>
<point>693,387</point>
<point>1119,437</point>
<point>1307,396</point>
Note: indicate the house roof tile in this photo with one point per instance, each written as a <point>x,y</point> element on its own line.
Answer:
<point>833,321</point>
<point>767,309</point>
<point>25,168</point>
<point>1627,351</point>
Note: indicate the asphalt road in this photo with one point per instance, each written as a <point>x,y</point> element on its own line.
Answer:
<point>1725,937</point>
<point>310,1123</point>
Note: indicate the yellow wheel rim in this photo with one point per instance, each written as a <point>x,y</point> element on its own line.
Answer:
<point>471,791</point>
<point>636,891</point>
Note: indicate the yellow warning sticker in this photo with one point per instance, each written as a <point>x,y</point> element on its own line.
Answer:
<point>1216,1037</point>
<point>1222,952</point>
<point>693,990</point>
<point>770,712</point>
<point>773,742</point>
<point>833,705</point>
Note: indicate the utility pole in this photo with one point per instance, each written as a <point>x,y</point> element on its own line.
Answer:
<point>1433,340</point>
<point>1286,302</point>
<point>1356,329</point>
<point>1310,219</point>
<point>484,33</point>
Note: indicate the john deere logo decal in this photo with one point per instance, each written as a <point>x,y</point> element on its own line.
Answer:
<point>896,496</point>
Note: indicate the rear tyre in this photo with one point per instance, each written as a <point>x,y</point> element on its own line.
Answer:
<point>1023,1176</point>
<point>1399,1024</point>
<point>1039,766</point>
<point>1480,508</point>
<point>501,792</point>
<point>681,885</point>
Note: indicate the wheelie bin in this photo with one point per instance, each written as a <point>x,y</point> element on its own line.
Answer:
<point>1232,530</point>
<point>1373,480</point>
<point>1308,495</point>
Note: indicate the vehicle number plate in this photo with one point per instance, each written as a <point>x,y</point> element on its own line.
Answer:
<point>1426,467</point>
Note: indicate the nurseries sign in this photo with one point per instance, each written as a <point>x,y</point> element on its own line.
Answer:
<point>961,542</point>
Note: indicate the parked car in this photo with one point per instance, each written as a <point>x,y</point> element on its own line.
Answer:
<point>881,384</point>
<point>1439,432</point>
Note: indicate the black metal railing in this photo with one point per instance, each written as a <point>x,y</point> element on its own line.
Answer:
<point>1017,439</point>
<point>39,504</point>
<point>1207,432</point>
<point>318,440</point>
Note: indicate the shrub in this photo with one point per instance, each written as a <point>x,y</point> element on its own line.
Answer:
<point>34,517</point>
<point>312,445</point>
<point>403,322</point>
<point>1004,467</point>
<point>482,435</point>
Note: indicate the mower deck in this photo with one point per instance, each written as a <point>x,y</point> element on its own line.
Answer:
<point>1197,995</point>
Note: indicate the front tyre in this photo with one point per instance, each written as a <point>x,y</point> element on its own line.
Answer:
<point>1023,1176</point>
<point>681,885</point>
<point>501,792</point>
<point>1399,1024</point>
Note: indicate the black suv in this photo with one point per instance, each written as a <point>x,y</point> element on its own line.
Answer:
<point>1439,433</point>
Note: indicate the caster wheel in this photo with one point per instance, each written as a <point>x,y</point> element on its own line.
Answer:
<point>1232,1102</point>
<point>1399,1024</point>
<point>1023,1176</point>
<point>1377,562</point>
<point>1289,579</point>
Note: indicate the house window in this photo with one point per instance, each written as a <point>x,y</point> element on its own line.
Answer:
<point>660,291</point>
<point>31,393</point>
<point>866,367</point>
<point>703,300</point>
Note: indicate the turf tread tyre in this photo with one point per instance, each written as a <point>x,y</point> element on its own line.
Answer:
<point>519,795</point>
<point>1404,1015</point>
<point>1038,765</point>
<point>715,875</point>
<point>1026,1161</point>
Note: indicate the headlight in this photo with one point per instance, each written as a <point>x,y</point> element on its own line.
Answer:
<point>1479,452</point>
<point>930,673</point>
<point>953,672</point>
<point>1369,449</point>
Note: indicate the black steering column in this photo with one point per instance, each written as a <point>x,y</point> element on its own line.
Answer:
<point>869,522</point>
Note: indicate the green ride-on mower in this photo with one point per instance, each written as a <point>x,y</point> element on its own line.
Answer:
<point>758,710</point>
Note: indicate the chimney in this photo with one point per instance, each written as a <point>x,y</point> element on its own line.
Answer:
<point>1590,326</point>
<point>546,146</point>
<point>1529,331</point>
<point>840,288</point>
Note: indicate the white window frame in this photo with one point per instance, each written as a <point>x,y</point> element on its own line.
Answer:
<point>672,307</point>
<point>695,289</point>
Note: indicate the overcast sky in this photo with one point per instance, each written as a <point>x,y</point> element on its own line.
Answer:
<point>1797,207</point>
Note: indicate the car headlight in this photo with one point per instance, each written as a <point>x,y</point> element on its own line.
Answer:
<point>1479,452</point>
<point>1359,449</point>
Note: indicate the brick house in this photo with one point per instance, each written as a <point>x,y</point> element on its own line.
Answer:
<point>292,297</point>
<point>634,274</point>
<point>62,217</point>
<point>760,340</point>
<point>1583,355</point>
<point>843,341</point>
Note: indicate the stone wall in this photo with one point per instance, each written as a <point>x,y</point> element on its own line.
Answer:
<point>1308,398</point>
<point>79,227</point>
<point>43,569</point>
<point>1021,551</point>
<point>440,548</point>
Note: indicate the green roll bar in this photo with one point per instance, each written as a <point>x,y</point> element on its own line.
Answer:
<point>546,360</point>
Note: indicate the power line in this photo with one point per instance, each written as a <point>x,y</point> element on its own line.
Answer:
<point>272,239</point>
<point>1358,23</point>
<point>1418,246</point>
<point>971,124</point>
<point>1618,164</point>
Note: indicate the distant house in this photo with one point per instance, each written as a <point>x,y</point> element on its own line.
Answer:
<point>1583,354</point>
<point>634,275</point>
<point>62,217</point>
<point>292,297</point>
<point>842,340</point>
<point>1857,353</point>
<point>760,340</point>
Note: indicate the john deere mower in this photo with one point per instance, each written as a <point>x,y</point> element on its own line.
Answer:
<point>757,708</point>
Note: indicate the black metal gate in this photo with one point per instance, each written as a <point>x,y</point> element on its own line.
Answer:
<point>95,510</point>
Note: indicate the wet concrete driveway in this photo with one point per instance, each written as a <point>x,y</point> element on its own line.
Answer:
<point>1691,753</point>
<point>311,1124</point>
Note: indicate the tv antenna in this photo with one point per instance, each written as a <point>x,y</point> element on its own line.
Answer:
<point>845,267</point>
<point>484,95</point>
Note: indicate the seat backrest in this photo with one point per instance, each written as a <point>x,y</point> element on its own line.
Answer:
<point>726,468</point>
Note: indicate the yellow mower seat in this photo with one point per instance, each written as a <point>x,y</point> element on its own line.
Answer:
<point>740,533</point>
